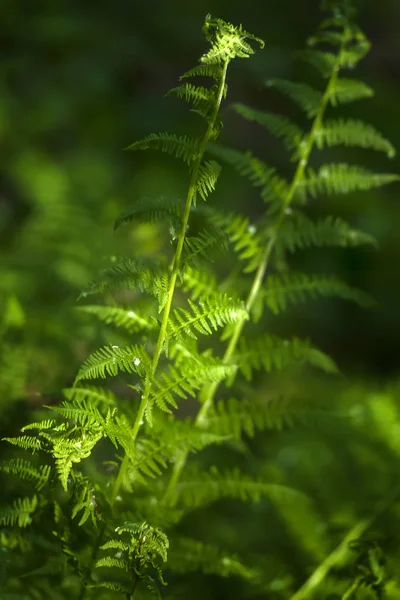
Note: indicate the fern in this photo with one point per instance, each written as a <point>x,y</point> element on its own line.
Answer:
<point>121,472</point>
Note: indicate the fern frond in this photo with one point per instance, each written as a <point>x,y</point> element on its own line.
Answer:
<point>324,62</point>
<point>26,442</point>
<point>348,90</point>
<point>233,417</point>
<point>152,210</point>
<point>201,488</point>
<point>204,70</point>
<point>272,352</point>
<point>205,317</point>
<point>182,147</point>
<point>83,412</point>
<point>341,178</point>
<point>278,125</point>
<point>19,513</point>
<point>227,41</point>
<point>202,244</point>
<point>185,380</point>
<point>94,395</point>
<point>300,231</point>
<point>351,132</point>
<point>243,236</point>
<point>199,283</point>
<point>207,178</point>
<point>135,275</point>
<point>27,470</point>
<point>187,555</point>
<point>120,317</point>
<point>306,97</point>
<point>281,290</point>
<point>194,94</point>
<point>111,360</point>
<point>84,500</point>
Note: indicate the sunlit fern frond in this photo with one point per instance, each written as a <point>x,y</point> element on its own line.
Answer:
<point>208,315</point>
<point>111,360</point>
<point>182,147</point>
<point>270,352</point>
<point>352,132</point>
<point>135,275</point>
<point>199,488</point>
<point>152,210</point>
<point>124,318</point>
<point>291,288</point>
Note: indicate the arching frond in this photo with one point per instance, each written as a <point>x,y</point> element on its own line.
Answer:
<point>128,319</point>
<point>305,96</point>
<point>199,283</point>
<point>243,236</point>
<point>152,210</point>
<point>95,395</point>
<point>272,352</point>
<point>181,147</point>
<point>25,469</point>
<point>204,70</point>
<point>227,41</point>
<point>300,231</point>
<point>111,360</point>
<point>324,62</point>
<point>187,555</point>
<point>20,513</point>
<point>194,94</point>
<point>280,126</point>
<point>291,288</point>
<point>348,90</point>
<point>205,317</point>
<point>135,275</point>
<point>351,132</point>
<point>203,244</point>
<point>200,488</point>
<point>341,178</point>
<point>207,178</point>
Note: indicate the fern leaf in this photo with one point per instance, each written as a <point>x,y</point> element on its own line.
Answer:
<point>306,97</point>
<point>181,147</point>
<point>111,360</point>
<point>199,283</point>
<point>187,555</point>
<point>352,132</point>
<point>207,178</point>
<point>120,317</point>
<point>27,470</point>
<point>195,95</point>
<point>152,210</point>
<point>209,314</point>
<point>272,352</point>
<point>204,70</point>
<point>26,442</point>
<point>324,62</point>
<point>95,396</point>
<point>299,231</point>
<point>84,500</point>
<point>20,513</point>
<point>227,41</point>
<point>341,178</point>
<point>202,244</point>
<point>201,488</point>
<point>138,276</point>
<point>281,290</point>
<point>348,90</point>
<point>278,125</point>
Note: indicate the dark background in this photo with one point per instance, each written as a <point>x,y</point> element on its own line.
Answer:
<point>82,80</point>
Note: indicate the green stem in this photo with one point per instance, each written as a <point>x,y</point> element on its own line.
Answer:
<point>208,393</point>
<point>93,557</point>
<point>353,588</point>
<point>176,262</point>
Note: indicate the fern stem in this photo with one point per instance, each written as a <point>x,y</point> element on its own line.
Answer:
<point>208,393</point>
<point>175,266</point>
